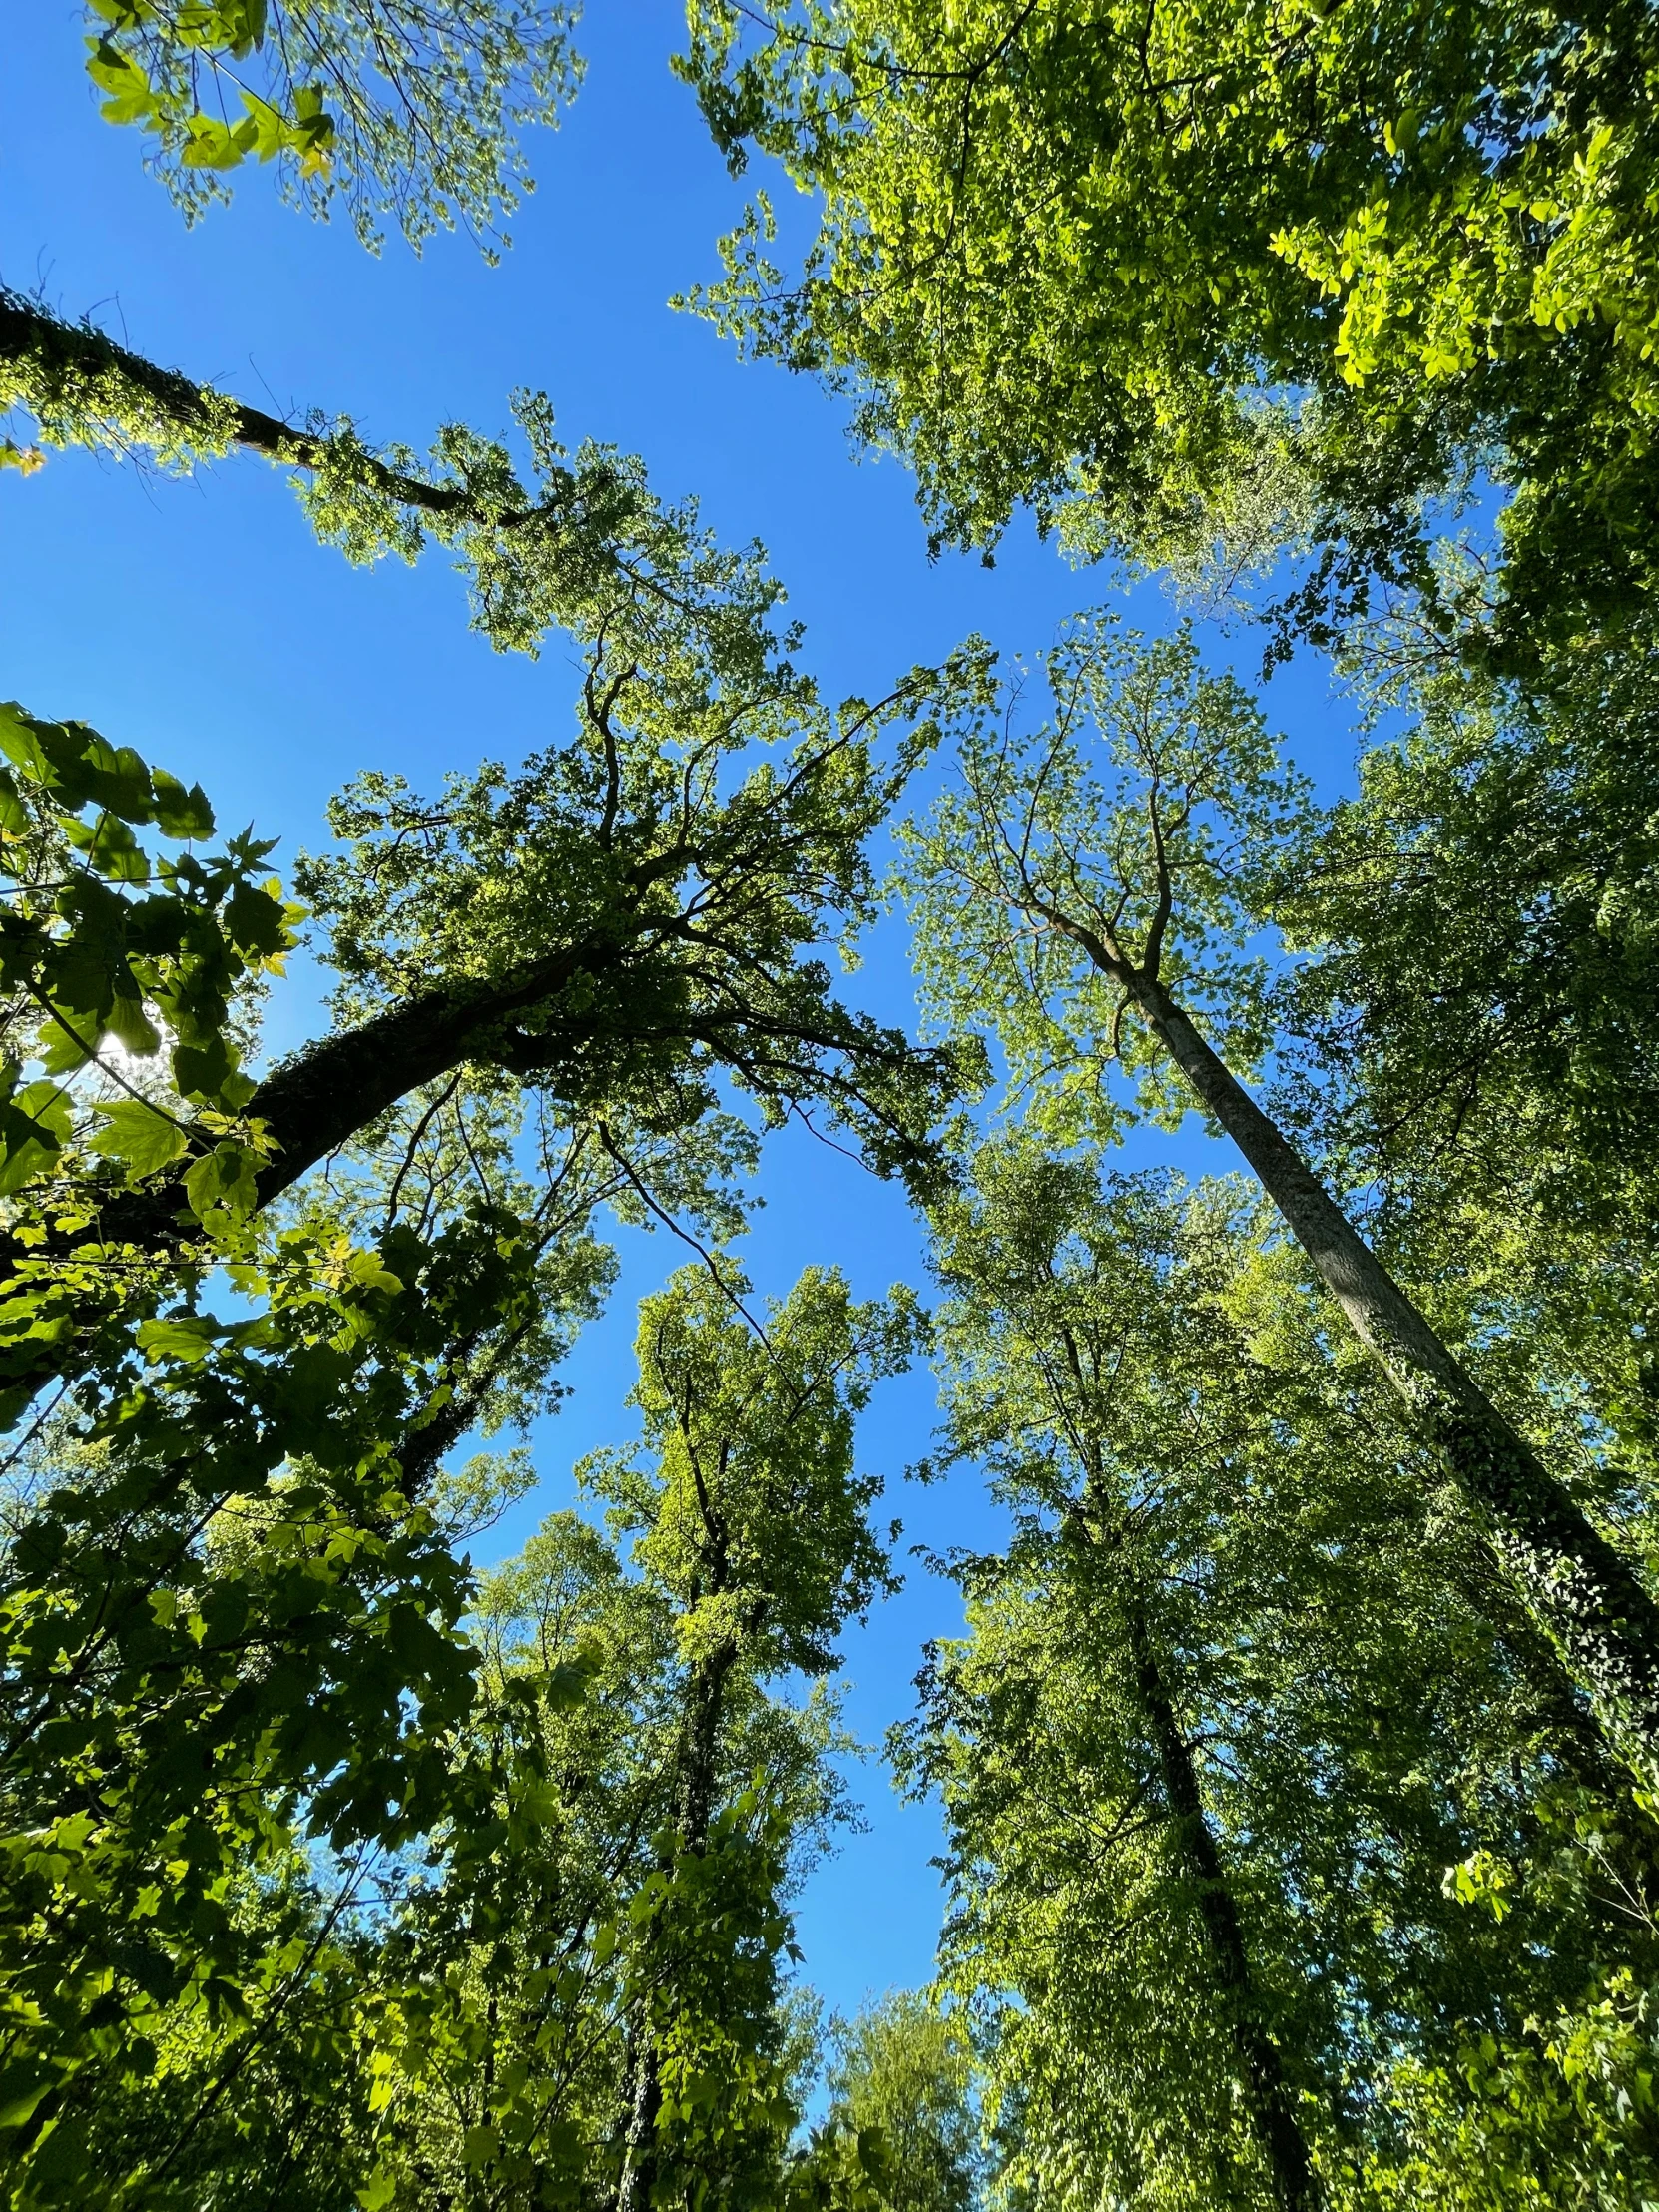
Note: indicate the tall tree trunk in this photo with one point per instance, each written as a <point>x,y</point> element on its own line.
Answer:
<point>645,2096</point>
<point>1589,1599</point>
<point>695,1787</point>
<point>75,370</point>
<point>1267,2095</point>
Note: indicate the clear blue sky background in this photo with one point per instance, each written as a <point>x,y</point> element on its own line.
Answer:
<point>200,623</point>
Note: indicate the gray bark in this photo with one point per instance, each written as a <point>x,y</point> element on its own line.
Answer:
<point>1587,1599</point>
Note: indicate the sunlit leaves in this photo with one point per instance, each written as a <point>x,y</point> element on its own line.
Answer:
<point>1197,1468</point>
<point>381,104</point>
<point>146,1137</point>
<point>1126,825</point>
<point>752,1429</point>
<point>85,958</point>
<point>235,1495</point>
<point>1066,250</point>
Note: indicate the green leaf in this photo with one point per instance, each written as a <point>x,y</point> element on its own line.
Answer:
<point>369,1271</point>
<point>180,812</point>
<point>60,1049</point>
<point>256,920</point>
<point>14,815</point>
<point>112,774</point>
<point>222,1177</point>
<point>47,1104</point>
<point>76,764</point>
<point>23,2084</point>
<point>111,849</point>
<point>186,1338</point>
<point>203,1070</point>
<point>142,1135</point>
<point>132,1027</point>
<point>480,2145</point>
<point>34,1127</point>
<point>212,145</point>
<point>131,97</point>
<point>20,742</point>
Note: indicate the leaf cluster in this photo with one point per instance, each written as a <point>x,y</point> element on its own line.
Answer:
<point>1065,251</point>
<point>384,107</point>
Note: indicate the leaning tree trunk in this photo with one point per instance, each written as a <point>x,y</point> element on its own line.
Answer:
<point>66,372</point>
<point>1587,1599</point>
<point>1267,2095</point>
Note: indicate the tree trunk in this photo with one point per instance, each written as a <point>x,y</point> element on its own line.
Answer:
<point>699,1775</point>
<point>1271,2110</point>
<point>1587,1599</point>
<point>82,371</point>
<point>695,1787</point>
<point>639,2161</point>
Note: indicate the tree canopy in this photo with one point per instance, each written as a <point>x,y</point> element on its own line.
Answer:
<point>1294,1726</point>
<point>384,107</point>
<point>1078,252</point>
<point>1226,1711</point>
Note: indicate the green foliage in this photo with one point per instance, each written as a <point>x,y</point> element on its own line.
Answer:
<point>706,1930</point>
<point>581,1835</point>
<point>750,1518</point>
<point>208,1641</point>
<point>224,1651</point>
<point>599,1903</point>
<point>490,2025</point>
<point>1067,251</point>
<point>1480,911</point>
<point>385,106</point>
<point>1208,1497</point>
<point>1131,820</point>
<point>201,1628</point>
<point>104,952</point>
<point>903,2077</point>
<point>75,387</point>
<point>751,1430</point>
<point>1062,910</point>
<point>1285,1863</point>
<point>608,928</point>
<point>85,955</point>
<point>1560,2112</point>
<point>582,546</point>
<point>1468,1035</point>
<point>623,919</point>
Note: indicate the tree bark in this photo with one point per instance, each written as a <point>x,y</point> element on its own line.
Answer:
<point>1272,2108</point>
<point>310,1105</point>
<point>1589,1599</point>
<point>71,357</point>
<point>639,2163</point>
<point>698,1767</point>
<point>695,1786</point>
<point>317,1100</point>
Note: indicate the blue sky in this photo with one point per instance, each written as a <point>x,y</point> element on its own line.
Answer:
<point>200,623</point>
